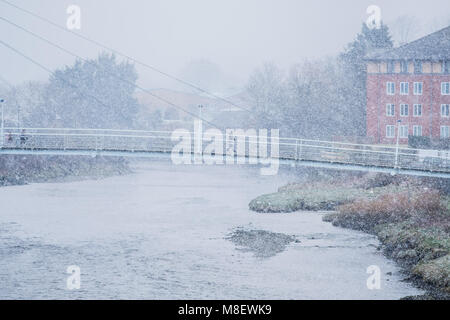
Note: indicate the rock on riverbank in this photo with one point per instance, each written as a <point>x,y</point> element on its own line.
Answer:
<point>262,243</point>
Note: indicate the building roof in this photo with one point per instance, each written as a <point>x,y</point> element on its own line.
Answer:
<point>435,46</point>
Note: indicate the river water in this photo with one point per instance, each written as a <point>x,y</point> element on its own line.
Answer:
<point>161,233</point>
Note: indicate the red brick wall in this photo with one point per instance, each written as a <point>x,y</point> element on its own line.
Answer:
<point>431,100</point>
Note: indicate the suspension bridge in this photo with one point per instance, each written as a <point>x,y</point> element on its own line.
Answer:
<point>140,143</point>
<point>291,151</point>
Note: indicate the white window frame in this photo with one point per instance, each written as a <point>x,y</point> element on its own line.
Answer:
<point>390,128</point>
<point>444,131</point>
<point>418,67</point>
<point>417,130</point>
<point>402,106</point>
<point>445,107</point>
<point>404,131</point>
<point>445,85</point>
<point>390,107</point>
<point>446,65</point>
<point>418,85</point>
<point>403,66</point>
<point>390,85</point>
<point>404,85</point>
<point>416,107</point>
<point>390,67</point>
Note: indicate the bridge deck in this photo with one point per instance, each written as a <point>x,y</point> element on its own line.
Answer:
<point>287,150</point>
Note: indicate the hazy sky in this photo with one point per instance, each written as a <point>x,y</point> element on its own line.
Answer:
<point>237,35</point>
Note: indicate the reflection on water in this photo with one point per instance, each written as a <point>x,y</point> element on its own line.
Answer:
<point>161,233</point>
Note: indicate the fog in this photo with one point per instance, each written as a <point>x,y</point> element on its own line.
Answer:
<point>235,36</point>
<point>223,149</point>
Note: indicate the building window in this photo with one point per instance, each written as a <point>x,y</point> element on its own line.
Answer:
<point>390,66</point>
<point>403,131</point>
<point>390,131</point>
<point>404,110</point>
<point>390,109</point>
<point>446,66</point>
<point>418,88</point>
<point>445,88</point>
<point>417,110</point>
<point>417,131</point>
<point>404,88</point>
<point>444,131</point>
<point>417,66</point>
<point>390,88</point>
<point>403,66</point>
<point>445,110</point>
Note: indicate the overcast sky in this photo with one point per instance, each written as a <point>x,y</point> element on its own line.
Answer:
<point>237,35</point>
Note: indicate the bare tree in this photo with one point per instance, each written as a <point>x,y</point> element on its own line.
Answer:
<point>405,29</point>
<point>437,24</point>
<point>267,91</point>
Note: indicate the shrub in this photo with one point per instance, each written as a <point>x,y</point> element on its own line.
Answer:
<point>428,203</point>
<point>419,142</point>
<point>380,180</point>
<point>389,208</point>
<point>443,144</point>
<point>436,272</point>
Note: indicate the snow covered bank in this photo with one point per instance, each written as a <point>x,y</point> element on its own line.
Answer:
<point>19,170</point>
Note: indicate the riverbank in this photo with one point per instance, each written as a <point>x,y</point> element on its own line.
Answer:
<point>410,217</point>
<point>315,197</point>
<point>20,170</point>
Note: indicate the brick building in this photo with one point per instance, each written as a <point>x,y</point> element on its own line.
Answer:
<point>410,83</point>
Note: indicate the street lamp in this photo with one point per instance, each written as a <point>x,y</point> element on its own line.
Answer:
<point>398,138</point>
<point>3,125</point>
<point>18,116</point>
<point>199,129</point>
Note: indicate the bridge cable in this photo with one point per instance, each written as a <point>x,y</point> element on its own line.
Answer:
<point>119,78</point>
<point>189,84</point>
<point>7,83</point>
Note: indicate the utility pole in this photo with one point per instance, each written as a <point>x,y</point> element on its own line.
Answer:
<point>200,111</point>
<point>18,116</point>
<point>398,138</point>
<point>198,153</point>
<point>3,124</point>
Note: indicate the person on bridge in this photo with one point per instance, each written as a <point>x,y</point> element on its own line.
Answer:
<point>9,137</point>
<point>23,137</point>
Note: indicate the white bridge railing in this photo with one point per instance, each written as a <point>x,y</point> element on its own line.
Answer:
<point>35,139</point>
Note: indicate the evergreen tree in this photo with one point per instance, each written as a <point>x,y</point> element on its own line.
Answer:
<point>354,72</point>
<point>91,94</point>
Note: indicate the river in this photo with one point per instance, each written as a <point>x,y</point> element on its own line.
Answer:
<point>161,233</point>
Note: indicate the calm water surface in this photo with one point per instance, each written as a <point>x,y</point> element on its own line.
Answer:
<point>159,233</point>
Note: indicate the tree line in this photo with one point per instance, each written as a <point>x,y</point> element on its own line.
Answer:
<point>317,98</point>
<point>313,99</point>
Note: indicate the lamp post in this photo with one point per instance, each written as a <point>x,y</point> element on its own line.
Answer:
<point>396,148</point>
<point>18,116</point>
<point>199,138</point>
<point>3,125</point>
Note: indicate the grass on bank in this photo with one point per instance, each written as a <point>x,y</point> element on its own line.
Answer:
<point>315,197</point>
